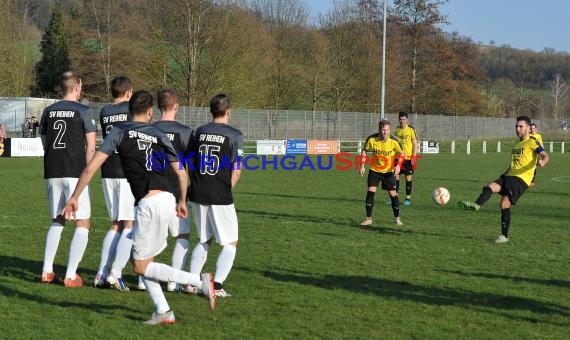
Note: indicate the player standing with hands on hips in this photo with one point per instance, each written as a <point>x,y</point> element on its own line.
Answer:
<point>145,154</point>
<point>382,169</point>
<point>526,154</point>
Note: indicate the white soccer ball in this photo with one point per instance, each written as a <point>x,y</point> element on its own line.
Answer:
<point>440,196</point>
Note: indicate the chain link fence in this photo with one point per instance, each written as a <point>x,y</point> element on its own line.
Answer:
<point>281,124</point>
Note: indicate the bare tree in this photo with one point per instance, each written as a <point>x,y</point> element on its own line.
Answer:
<point>559,91</point>
<point>104,35</point>
<point>418,18</point>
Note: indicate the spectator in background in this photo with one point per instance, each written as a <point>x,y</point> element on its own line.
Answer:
<point>34,125</point>
<point>2,133</point>
<point>26,128</point>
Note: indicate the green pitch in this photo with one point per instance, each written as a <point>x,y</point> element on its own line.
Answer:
<point>306,269</point>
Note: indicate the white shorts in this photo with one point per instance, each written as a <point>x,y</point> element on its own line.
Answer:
<point>218,220</point>
<point>155,216</point>
<point>119,199</point>
<point>59,190</point>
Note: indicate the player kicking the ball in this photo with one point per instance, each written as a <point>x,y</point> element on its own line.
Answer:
<point>382,169</point>
<point>512,184</point>
<point>145,154</point>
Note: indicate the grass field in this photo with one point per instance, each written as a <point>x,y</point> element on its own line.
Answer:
<point>306,269</point>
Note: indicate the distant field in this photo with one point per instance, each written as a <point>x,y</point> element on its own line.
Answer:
<point>306,269</point>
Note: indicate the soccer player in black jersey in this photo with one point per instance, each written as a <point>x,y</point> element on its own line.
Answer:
<point>145,154</point>
<point>215,171</point>
<point>119,199</point>
<point>179,135</point>
<point>68,136</point>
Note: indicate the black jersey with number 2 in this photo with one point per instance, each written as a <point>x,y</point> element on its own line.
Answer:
<point>110,116</point>
<point>64,125</point>
<point>145,154</point>
<point>215,148</point>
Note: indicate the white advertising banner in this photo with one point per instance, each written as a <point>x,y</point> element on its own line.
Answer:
<point>272,147</point>
<point>431,146</point>
<point>27,147</point>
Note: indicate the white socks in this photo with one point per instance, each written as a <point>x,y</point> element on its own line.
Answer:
<point>123,252</point>
<point>157,296</point>
<point>52,243</point>
<point>224,263</point>
<point>199,257</point>
<point>108,251</point>
<point>180,253</point>
<point>165,273</point>
<point>76,251</point>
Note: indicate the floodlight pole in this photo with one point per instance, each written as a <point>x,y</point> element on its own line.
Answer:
<point>383,87</point>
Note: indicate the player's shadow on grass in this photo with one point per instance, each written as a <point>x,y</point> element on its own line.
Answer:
<point>328,199</point>
<point>558,283</point>
<point>401,290</point>
<point>61,302</point>
<point>296,217</point>
<point>443,180</point>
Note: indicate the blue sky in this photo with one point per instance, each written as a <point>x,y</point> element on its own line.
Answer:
<point>522,24</point>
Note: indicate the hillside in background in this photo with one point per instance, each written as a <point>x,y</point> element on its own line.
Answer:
<point>266,54</point>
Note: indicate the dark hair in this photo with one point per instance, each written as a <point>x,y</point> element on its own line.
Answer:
<point>120,86</point>
<point>402,114</point>
<point>219,105</point>
<point>68,80</point>
<point>383,123</point>
<point>166,98</point>
<point>533,124</point>
<point>524,118</point>
<point>140,102</point>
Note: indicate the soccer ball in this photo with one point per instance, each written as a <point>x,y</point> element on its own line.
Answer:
<point>440,196</point>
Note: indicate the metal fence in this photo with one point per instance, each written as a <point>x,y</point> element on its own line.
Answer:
<point>275,124</point>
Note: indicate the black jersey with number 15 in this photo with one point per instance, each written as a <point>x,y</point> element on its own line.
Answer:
<point>64,125</point>
<point>216,147</point>
<point>145,154</point>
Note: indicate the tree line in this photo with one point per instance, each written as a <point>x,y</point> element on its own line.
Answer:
<point>271,54</point>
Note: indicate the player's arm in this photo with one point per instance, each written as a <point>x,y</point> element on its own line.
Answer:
<point>544,158</point>
<point>90,141</point>
<point>183,185</point>
<point>236,173</point>
<point>363,156</point>
<point>401,156</point>
<point>87,174</point>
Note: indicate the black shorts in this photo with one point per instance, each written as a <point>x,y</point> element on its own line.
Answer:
<point>388,180</point>
<point>511,186</point>
<point>407,168</point>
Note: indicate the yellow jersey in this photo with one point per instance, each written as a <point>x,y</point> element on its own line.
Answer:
<point>538,137</point>
<point>407,137</point>
<point>524,156</point>
<point>384,152</point>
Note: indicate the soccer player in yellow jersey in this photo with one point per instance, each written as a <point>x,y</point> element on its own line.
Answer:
<point>385,150</point>
<point>526,154</point>
<point>406,134</point>
<point>534,133</point>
